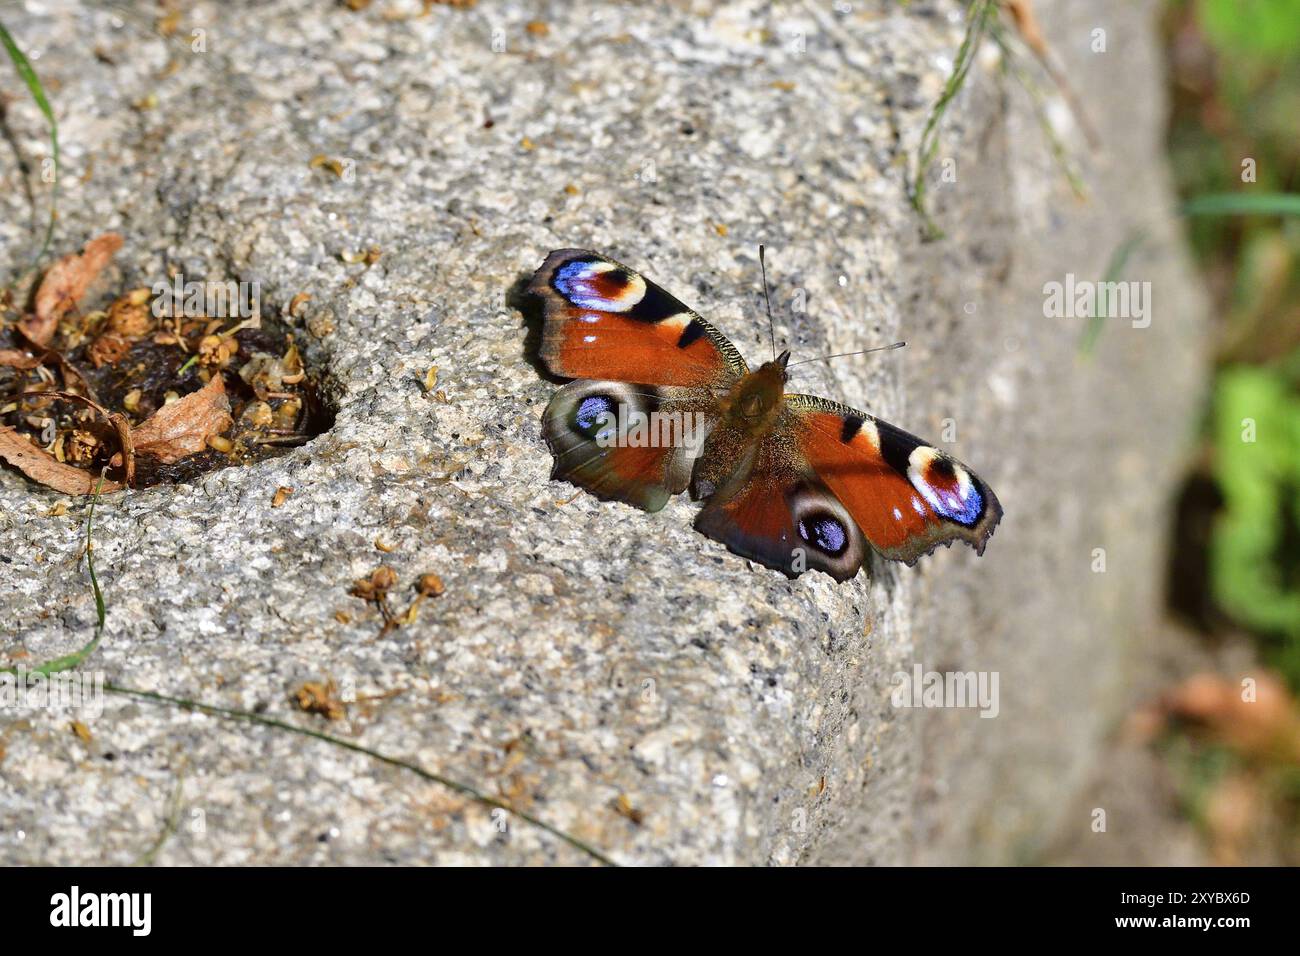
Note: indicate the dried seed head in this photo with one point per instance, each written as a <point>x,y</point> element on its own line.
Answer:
<point>430,585</point>
<point>376,586</point>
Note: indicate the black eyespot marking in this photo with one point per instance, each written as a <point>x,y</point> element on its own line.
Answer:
<point>895,446</point>
<point>693,332</point>
<point>655,306</point>
<point>588,417</point>
<point>852,425</point>
<point>825,532</point>
<point>941,470</point>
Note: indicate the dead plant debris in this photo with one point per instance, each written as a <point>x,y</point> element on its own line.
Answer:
<point>139,393</point>
<point>624,807</point>
<point>63,286</point>
<point>376,586</point>
<point>316,697</point>
<point>375,590</point>
<point>185,426</point>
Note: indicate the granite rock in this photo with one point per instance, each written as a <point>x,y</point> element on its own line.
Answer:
<point>611,672</point>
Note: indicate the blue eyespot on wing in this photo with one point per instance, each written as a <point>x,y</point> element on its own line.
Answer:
<point>592,283</point>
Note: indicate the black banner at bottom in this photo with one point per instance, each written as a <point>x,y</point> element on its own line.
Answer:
<point>306,906</point>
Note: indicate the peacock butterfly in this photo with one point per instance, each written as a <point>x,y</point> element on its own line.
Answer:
<point>664,403</point>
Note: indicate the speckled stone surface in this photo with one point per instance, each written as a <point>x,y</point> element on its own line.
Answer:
<point>589,663</point>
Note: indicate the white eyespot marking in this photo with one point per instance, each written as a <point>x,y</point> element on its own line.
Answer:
<point>676,323</point>
<point>921,457</point>
<point>898,515</point>
<point>589,338</point>
<point>871,434</point>
<point>917,506</point>
<point>599,285</point>
<point>946,485</point>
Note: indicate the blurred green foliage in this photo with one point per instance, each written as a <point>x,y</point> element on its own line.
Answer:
<point>1254,28</point>
<point>1234,142</point>
<point>1254,565</point>
<point>1235,68</point>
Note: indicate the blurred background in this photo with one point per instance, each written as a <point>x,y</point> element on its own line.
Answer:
<point>1221,737</point>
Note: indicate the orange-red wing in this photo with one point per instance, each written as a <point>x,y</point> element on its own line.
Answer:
<point>906,496</point>
<point>605,321</point>
<point>785,520</point>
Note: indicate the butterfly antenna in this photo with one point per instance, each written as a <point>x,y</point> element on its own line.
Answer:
<point>771,326</point>
<point>823,358</point>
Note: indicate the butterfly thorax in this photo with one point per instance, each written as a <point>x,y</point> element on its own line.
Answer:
<point>754,402</point>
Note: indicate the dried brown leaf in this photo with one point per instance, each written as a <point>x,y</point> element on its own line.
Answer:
<point>116,419</point>
<point>39,466</point>
<point>15,358</point>
<point>1265,723</point>
<point>183,427</point>
<point>65,283</point>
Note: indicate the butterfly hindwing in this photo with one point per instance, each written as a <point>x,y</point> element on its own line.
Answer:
<point>775,511</point>
<point>907,497</point>
<point>828,481</point>
<point>627,442</point>
<point>605,321</point>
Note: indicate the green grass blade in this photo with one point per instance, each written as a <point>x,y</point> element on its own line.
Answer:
<point>976,23</point>
<point>463,789</point>
<point>1243,204</point>
<point>1114,269</point>
<point>33,83</point>
<point>72,660</point>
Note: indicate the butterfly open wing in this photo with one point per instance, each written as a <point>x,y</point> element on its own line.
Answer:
<point>605,321</point>
<point>829,481</point>
<point>776,511</point>
<point>639,352</point>
<point>906,497</point>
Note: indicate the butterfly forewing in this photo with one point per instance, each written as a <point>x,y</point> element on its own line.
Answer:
<point>605,321</point>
